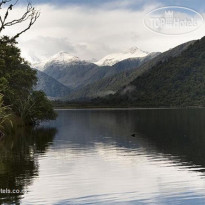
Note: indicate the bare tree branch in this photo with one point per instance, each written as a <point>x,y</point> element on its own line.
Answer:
<point>31,15</point>
<point>4,2</point>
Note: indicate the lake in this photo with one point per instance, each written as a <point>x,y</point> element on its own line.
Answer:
<point>107,156</point>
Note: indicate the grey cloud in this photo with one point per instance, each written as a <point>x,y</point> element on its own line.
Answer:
<point>45,47</point>
<point>94,33</point>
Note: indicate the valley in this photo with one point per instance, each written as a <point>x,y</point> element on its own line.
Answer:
<point>71,80</point>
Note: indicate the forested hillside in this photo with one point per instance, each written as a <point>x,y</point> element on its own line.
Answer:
<point>177,81</point>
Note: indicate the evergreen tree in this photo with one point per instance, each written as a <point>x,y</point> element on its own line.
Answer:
<point>17,80</point>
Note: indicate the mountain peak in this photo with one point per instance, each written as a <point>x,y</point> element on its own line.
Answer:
<point>133,52</point>
<point>63,57</point>
<point>136,50</point>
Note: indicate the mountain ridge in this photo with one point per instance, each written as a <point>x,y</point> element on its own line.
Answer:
<point>86,80</point>
<point>112,84</point>
<point>79,74</point>
<point>178,81</point>
<point>61,57</point>
<point>113,58</point>
<point>52,88</point>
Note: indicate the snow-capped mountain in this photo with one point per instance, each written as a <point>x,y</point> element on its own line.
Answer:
<point>39,65</point>
<point>114,58</point>
<point>61,58</point>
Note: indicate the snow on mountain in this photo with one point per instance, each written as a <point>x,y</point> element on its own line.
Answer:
<point>39,65</point>
<point>114,58</point>
<point>59,58</point>
<point>109,60</point>
<point>63,57</point>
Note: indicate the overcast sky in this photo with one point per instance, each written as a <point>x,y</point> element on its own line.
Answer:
<point>94,28</point>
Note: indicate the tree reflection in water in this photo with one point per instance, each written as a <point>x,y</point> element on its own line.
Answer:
<point>19,160</point>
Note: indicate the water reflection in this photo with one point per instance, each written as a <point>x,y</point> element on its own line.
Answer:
<point>94,159</point>
<point>97,161</point>
<point>178,133</point>
<point>19,160</point>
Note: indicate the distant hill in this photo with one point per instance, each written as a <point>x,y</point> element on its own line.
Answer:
<point>63,73</point>
<point>177,81</point>
<point>66,77</point>
<point>75,73</point>
<point>115,80</point>
<point>114,83</point>
<point>50,86</point>
<point>114,58</point>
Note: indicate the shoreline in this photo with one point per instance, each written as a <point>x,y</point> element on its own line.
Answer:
<point>125,108</point>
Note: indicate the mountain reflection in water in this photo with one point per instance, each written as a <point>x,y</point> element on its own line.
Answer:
<point>91,157</point>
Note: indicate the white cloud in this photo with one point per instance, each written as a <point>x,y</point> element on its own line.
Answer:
<point>94,33</point>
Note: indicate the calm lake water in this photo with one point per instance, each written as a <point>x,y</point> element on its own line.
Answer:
<point>91,157</point>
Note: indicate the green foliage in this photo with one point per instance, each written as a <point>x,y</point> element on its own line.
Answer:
<point>17,81</point>
<point>177,81</point>
<point>16,76</point>
<point>121,74</point>
<point>36,108</point>
<point>4,115</point>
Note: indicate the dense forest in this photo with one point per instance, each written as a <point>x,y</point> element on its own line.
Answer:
<point>178,81</point>
<point>17,80</point>
<point>20,104</point>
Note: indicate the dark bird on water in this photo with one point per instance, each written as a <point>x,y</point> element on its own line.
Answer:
<point>133,135</point>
